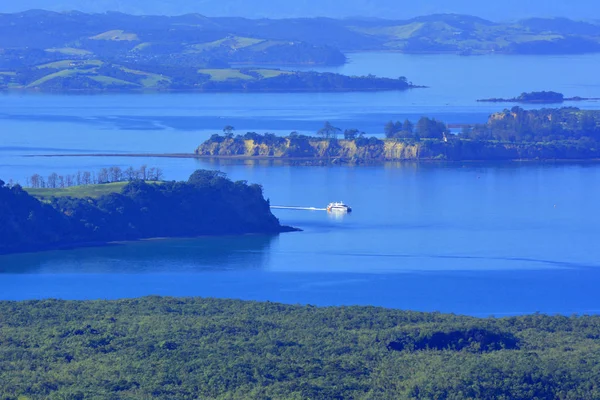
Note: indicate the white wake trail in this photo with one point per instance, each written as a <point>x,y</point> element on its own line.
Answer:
<point>298,208</point>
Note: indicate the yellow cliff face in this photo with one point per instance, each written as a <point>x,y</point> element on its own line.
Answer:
<point>395,151</point>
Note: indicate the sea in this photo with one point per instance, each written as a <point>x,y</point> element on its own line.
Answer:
<point>481,239</point>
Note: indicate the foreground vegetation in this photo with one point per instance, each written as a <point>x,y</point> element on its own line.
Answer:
<point>223,349</point>
<point>516,134</point>
<point>207,204</point>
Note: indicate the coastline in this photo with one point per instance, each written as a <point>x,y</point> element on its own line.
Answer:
<point>82,245</point>
<point>25,90</point>
<point>315,161</point>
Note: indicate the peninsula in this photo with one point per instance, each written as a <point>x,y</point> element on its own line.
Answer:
<point>207,204</point>
<point>516,134</point>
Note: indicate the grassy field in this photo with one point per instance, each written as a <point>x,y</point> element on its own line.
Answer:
<point>150,80</point>
<point>224,74</point>
<point>271,73</point>
<point>78,191</point>
<point>109,81</point>
<point>82,191</point>
<point>116,35</point>
<point>234,43</point>
<point>60,74</point>
<point>70,51</point>
<point>67,64</point>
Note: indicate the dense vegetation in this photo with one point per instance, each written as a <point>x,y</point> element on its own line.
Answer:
<point>207,204</point>
<point>538,97</point>
<point>545,125</point>
<point>516,134</point>
<point>223,349</point>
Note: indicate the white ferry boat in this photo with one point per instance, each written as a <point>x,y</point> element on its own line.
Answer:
<point>339,207</point>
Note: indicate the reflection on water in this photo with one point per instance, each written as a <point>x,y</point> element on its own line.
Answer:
<point>156,256</point>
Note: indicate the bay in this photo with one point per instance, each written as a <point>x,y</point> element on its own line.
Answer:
<point>469,238</point>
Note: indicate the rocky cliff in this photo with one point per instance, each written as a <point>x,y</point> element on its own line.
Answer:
<point>374,150</point>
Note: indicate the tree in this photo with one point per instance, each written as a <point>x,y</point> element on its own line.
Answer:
<point>35,181</point>
<point>350,134</point>
<point>430,128</point>
<point>408,126</point>
<point>52,180</point>
<point>390,130</point>
<point>143,172</point>
<point>131,174</point>
<point>116,174</point>
<point>328,131</point>
<point>103,176</point>
<point>159,174</point>
<point>228,131</point>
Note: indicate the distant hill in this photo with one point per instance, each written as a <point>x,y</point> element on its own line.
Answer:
<point>396,9</point>
<point>53,51</point>
<point>195,40</point>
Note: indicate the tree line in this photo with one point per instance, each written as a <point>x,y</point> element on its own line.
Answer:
<point>514,125</point>
<point>84,178</point>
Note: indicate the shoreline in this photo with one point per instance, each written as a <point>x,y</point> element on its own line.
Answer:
<point>25,90</point>
<point>332,160</point>
<point>87,245</point>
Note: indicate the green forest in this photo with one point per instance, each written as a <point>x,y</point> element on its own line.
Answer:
<point>207,204</point>
<point>171,348</point>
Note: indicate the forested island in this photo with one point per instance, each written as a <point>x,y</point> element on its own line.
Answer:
<point>538,98</point>
<point>207,204</point>
<point>173,348</point>
<point>515,134</point>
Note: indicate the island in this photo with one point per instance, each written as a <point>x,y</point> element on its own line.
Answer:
<point>194,348</point>
<point>515,134</point>
<point>539,98</point>
<point>100,76</point>
<point>208,203</point>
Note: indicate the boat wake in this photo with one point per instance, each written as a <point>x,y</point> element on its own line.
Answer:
<point>298,208</point>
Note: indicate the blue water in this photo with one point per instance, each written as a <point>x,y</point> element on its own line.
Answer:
<point>470,238</point>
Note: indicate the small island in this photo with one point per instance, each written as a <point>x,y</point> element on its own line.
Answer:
<point>48,217</point>
<point>515,134</point>
<point>538,98</point>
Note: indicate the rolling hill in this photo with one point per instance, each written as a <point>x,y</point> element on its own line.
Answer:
<point>396,9</point>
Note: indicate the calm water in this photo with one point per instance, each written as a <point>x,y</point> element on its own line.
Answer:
<point>476,238</point>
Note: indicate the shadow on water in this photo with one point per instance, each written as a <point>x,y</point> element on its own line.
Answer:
<point>206,254</point>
